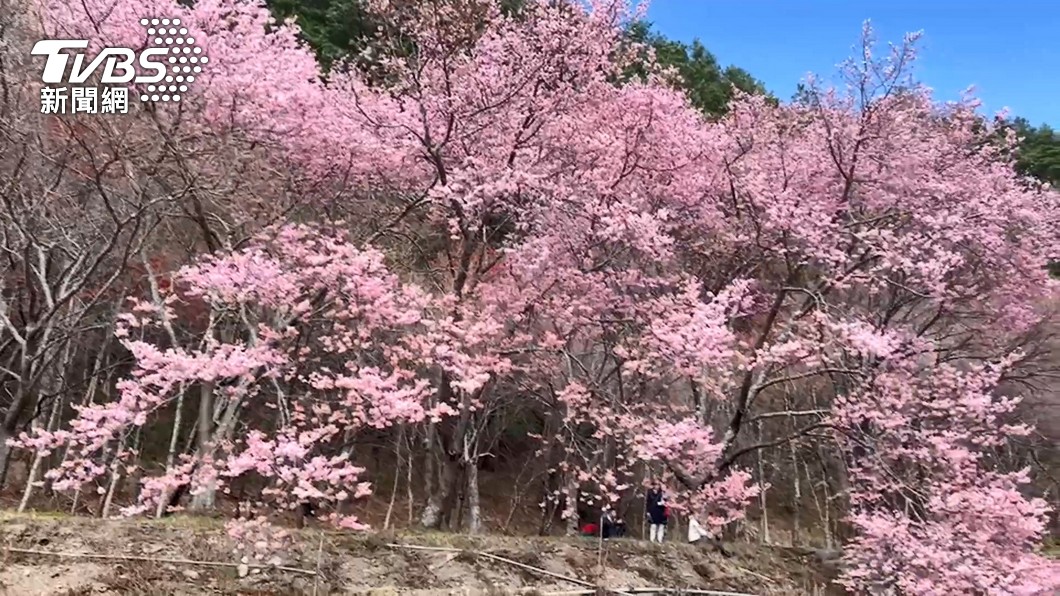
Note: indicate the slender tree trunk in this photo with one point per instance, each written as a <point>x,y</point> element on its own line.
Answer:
<point>5,453</point>
<point>571,511</point>
<point>53,422</point>
<point>548,512</point>
<point>762,496</point>
<point>171,454</point>
<point>431,515</point>
<point>453,516</point>
<point>115,474</point>
<point>90,392</point>
<point>156,296</point>
<point>519,491</point>
<point>474,509</point>
<point>796,493</point>
<point>408,477</point>
<point>397,476</point>
<point>700,403</point>
<point>8,430</point>
<point>204,498</point>
<point>646,474</point>
<point>137,471</point>
<point>551,482</point>
<point>822,509</point>
<point>27,492</point>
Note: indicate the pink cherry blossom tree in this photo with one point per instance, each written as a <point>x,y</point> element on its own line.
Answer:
<point>900,261</point>
<point>657,286</point>
<point>308,339</point>
<point>933,511</point>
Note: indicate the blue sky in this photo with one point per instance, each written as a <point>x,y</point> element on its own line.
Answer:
<point>1008,49</point>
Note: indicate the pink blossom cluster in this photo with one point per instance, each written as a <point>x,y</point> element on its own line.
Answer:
<point>256,541</point>
<point>933,515</point>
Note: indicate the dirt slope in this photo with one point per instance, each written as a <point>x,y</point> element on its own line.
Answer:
<point>164,552</point>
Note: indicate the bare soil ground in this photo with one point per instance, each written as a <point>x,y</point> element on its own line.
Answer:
<point>159,557</point>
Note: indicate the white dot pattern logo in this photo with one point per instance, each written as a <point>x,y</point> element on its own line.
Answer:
<point>184,58</point>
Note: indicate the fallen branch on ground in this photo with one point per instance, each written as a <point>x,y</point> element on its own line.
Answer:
<point>652,591</point>
<point>593,589</point>
<point>30,551</point>
<point>756,574</point>
<point>537,570</point>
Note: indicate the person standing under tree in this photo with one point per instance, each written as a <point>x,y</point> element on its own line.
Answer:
<point>656,509</point>
<point>610,526</point>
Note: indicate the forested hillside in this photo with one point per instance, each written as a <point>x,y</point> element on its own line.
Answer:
<point>485,266</point>
<point>1039,151</point>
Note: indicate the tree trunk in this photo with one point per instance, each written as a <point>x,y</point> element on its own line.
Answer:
<point>434,464</point>
<point>115,474</point>
<point>796,494</point>
<point>397,476</point>
<point>137,474</point>
<point>455,519</point>
<point>8,429</point>
<point>204,498</point>
<point>762,495</point>
<point>5,454</point>
<point>408,478</point>
<point>34,467</point>
<point>440,502</point>
<point>548,512</point>
<point>474,508</point>
<point>445,448</point>
<point>53,422</point>
<point>570,513</point>
<point>171,455</point>
<point>54,386</point>
<point>90,392</point>
<point>432,512</point>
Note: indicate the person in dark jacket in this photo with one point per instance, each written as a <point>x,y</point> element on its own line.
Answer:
<point>611,526</point>
<point>655,507</point>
